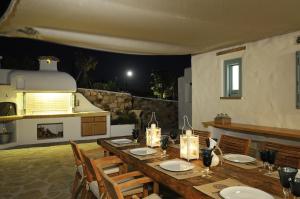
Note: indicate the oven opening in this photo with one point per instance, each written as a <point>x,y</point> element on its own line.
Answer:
<point>50,131</point>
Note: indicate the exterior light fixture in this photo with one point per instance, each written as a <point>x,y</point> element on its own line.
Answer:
<point>189,143</point>
<point>153,132</point>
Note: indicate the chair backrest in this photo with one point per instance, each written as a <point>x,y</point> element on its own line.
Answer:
<point>286,156</point>
<point>203,135</point>
<point>90,168</point>
<point>76,153</point>
<point>230,144</point>
<point>112,189</point>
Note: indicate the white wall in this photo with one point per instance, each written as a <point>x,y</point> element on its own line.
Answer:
<point>184,97</point>
<point>27,130</point>
<point>269,84</point>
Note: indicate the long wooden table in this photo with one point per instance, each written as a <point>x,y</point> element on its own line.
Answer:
<point>253,177</point>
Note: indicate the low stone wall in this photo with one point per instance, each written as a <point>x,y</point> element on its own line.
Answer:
<point>166,110</point>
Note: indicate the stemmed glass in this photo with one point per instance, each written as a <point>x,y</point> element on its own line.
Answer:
<point>173,135</point>
<point>164,143</point>
<point>295,187</point>
<point>207,159</point>
<point>264,157</point>
<point>135,135</point>
<point>271,159</point>
<point>286,173</point>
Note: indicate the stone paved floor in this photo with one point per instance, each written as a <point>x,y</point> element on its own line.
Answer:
<point>38,172</point>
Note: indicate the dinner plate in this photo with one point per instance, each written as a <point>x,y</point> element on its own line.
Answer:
<point>143,151</point>
<point>121,141</point>
<point>239,158</point>
<point>176,165</point>
<point>244,192</point>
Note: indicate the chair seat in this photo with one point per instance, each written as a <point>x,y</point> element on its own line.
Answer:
<point>94,189</point>
<point>80,170</point>
<point>111,170</point>
<point>153,196</point>
<point>126,192</point>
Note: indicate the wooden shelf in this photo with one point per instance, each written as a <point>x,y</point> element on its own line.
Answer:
<point>259,130</point>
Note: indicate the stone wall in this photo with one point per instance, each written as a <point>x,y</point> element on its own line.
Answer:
<point>166,110</point>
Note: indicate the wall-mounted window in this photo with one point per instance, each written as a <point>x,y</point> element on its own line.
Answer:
<point>298,79</point>
<point>233,78</point>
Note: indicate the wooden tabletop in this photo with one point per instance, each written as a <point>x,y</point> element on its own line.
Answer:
<point>255,129</point>
<point>253,177</point>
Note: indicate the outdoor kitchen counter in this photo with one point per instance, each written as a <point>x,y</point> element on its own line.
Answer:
<point>76,114</point>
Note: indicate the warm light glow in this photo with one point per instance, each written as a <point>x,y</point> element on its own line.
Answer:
<point>189,146</point>
<point>153,135</point>
<point>129,73</point>
<point>48,103</point>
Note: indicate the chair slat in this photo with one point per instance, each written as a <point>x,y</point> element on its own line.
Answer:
<point>203,135</point>
<point>230,144</point>
<point>287,155</point>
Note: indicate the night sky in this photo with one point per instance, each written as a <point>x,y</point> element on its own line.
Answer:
<point>111,66</point>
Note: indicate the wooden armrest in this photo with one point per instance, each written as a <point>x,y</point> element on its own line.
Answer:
<point>135,182</point>
<point>108,161</point>
<point>99,149</point>
<point>126,175</point>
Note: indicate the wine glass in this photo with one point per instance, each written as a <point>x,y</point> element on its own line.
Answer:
<point>207,159</point>
<point>286,173</point>
<point>264,157</point>
<point>135,135</point>
<point>271,159</point>
<point>164,142</point>
<point>295,187</point>
<point>173,135</point>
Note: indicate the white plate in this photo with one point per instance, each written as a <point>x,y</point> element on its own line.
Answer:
<point>143,151</point>
<point>243,192</point>
<point>121,141</point>
<point>239,158</point>
<point>176,165</point>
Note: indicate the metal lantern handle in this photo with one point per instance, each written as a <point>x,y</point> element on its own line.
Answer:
<point>186,119</point>
<point>153,117</point>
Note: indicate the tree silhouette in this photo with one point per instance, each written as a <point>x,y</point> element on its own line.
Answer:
<point>84,64</point>
<point>163,84</point>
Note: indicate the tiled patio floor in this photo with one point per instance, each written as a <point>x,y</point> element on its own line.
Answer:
<point>38,172</point>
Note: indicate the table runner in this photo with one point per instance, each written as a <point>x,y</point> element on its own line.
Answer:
<point>213,189</point>
<point>251,165</point>
<point>197,171</point>
<point>158,154</point>
<point>121,145</point>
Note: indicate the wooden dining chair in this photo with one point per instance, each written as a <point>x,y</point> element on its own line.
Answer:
<point>79,179</point>
<point>203,135</point>
<point>287,155</point>
<point>116,186</point>
<point>230,144</point>
<point>96,186</point>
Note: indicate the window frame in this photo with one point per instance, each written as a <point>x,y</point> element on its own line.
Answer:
<point>228,91</point>
<point>298,80</point>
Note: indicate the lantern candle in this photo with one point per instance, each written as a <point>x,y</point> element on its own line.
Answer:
<point>153,134</point>
<point>189,144</point>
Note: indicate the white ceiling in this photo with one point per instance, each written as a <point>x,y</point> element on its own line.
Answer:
<point>151,26</point>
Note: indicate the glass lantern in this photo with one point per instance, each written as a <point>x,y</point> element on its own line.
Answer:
<point>153,132</point>
<point>189,143</point>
